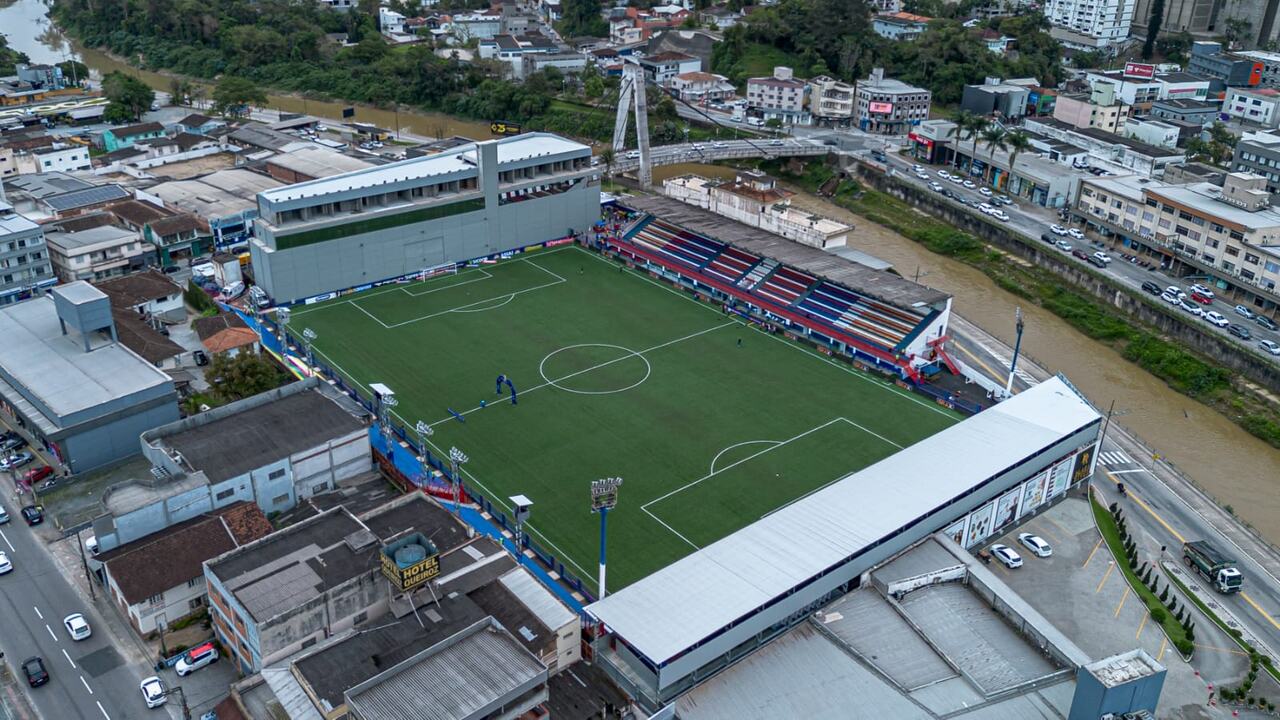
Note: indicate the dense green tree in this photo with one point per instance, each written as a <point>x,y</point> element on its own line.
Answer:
<point>1153,29</point>
<point>128,96</point>
<point>246,374</point>
<point>1175,48</point>
<point>233,96</point>
<point>582,17</point>
<point>74,71</point>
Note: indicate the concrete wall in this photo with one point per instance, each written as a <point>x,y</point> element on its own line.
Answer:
<point>104,442</point>
<point>323,617</point>
<point>1172,323</point>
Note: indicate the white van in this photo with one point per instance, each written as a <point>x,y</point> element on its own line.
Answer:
<point>196,658</point>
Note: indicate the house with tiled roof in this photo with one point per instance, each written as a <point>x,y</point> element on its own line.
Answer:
<point>115,138</point>
<point>226,333</point>
<point>148,293</point>
<point>159,579</point>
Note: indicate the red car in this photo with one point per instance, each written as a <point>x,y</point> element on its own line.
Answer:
<point>35,475</point>
<point>1202,299</point>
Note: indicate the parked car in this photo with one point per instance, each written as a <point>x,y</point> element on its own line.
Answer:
<point>12,443</point>
<point>1105,258</point>
<point>1240,331</point>
<point>1058,230</point>
<point>957,180</point>
<point>1076,233</point>
<point>6,567</point>
<point>1244,312</point>
<point>33,668</point>
<point>1006,555</point>
<point>1000,215</point>
<point>1270,346</point>
<point>1035,544</point>
<point>1192,308</point>
<point>1082,255</point>
<point>35,475</point>
<point>944,174</point>
<point>4,515</point>
<point>985,192</point>
<point>1266,322</point>
<point>969,184</point>
<point>196,658</point>
<point>1063,245</point>
<point>1151,287</point>
<point>1202,299</point>
<point>201,357</point>
<point>1216,318</point>
<point>77,627</point>
<point>16,460</point>
<point>154,691</point>
<point>1096,261</point>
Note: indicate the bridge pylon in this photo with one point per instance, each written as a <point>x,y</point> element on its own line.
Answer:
<point>632,94</point>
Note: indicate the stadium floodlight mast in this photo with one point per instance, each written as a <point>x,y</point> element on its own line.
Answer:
<point>282,320</point>
<point>308,338</point>
<point>424,431</point>
<point>457,458</point>
<point>604,496</point>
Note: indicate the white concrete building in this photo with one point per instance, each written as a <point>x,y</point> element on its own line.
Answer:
<point>1256,106</point>
<point>1100,22</point>
<point>755,199</point>
<point>779,97</point>
<point>59,158</point>
<point>94,254</point>
<point>1152,132</point>
<point>830,99</point>
<point>1142,91</point>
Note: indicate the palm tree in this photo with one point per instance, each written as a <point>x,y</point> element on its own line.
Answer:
<point>974,126</point>
<point>994,136</point>
<point>1016,142</point>
<point>963,120</point>
<point>606,157</point>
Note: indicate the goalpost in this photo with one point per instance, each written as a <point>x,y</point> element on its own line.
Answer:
<point>437,270</point>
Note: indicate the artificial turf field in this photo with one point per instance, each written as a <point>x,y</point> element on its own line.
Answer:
<point>711,423</point>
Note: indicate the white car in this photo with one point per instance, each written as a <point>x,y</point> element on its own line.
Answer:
<point>985,192</point>
<point>1270,346</point>
<point>986,208</point>
<point>1000,215</point>
<point>234,290</point>
<point>944,174</point>
<point>1057,230</point>
<point>1076,233</point>
<point>1006,555</point>
<point>969,184</point>
<point>1175,290</point>
<point>1192,308</point>
<point>1202,290</point>
<point>1105,258</point>
<point>935,186</point>
<point>76,626</point>
<point>779,142</point>
<point>1171,298</point>
<point>918,168</point>
<point>1035,544</point>
<point>154,691</point>
<point>5,565</point>
<point>1216,318</point>
<point>957,180</point>
<point>1063,245</point>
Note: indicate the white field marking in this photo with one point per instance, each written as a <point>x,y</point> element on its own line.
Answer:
<point>40,614</point>
<point>564,557</point>
<point>461,308</point>
<point>631,354</point>
<point>508,298</point>
<point>486,273</point>
<point>55,637</point>
<point>648,369</point>
<point>6,541</point>
<point>675,532</point>
<point>738,445</point>
<point>371,315</point>
<point>103,710</point>
<point>894,389</point>
<point>68,657</point>
<point>86,684</point>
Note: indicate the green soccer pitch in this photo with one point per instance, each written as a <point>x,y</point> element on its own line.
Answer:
<point>711,423</point>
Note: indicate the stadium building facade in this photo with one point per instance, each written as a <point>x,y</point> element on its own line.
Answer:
<point>683,624</point>
<point>474,201</point>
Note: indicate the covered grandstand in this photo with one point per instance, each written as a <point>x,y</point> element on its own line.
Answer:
<point>872,315</point>
<point>684,623</point>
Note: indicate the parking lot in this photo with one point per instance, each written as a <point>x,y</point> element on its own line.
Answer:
<point>1085,595</point>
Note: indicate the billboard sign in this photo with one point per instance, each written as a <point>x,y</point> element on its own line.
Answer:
<point>1139,70</point>
<point>881,107</point>
<point>498,127</point>
<point>423,565</point>
<point>1255,74</point>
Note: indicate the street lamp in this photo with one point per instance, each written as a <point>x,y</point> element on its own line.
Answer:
<point>1017,347</point>
<point>457,458</point>
<point>604,496</point>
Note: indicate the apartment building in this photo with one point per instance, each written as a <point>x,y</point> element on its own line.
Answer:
<point>24,258</point>
<point>1090,24</point>
<point>95,253</point>
<point>1259,153</point>
<point>1230,233</point>
<point>780,96</point>
<point>1098,108</point>
<point>1143,89</point>
<point>1270,65</point>
<point>1259,106</point>
<point>1230,70</point>
<point>889,106</point>
<point>830,99</point>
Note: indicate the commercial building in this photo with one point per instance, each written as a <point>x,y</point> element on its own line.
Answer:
<point>68,381</point>
<point>1229,234</point>
<point>1140,157</point>
<point>25,267</point>
<point>311,163</point>
<point>679,626</point>
<point>994,97</point>
<point>779,97</point>
<point>755,199</point>
<point>1199,112</point>
<point>1142,85</point>
<point>1229,70</point>
<point>94,254</point>
<point>159,579</point>
<point>223,200</point>
<point>1090,24</point>
<point>176,236</point>
<point>830,100</point>
<point>1257,107</point>
<point>1259,153</point>
<point>1270,65</point>
<point>400,219</point>
<point>1097,109</point>
<point>700,87</point>
<point>900,26</point>
<point>889,106</point>
<point>1152,132</point>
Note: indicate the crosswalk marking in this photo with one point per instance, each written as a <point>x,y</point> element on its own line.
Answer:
<point>1115,457</point>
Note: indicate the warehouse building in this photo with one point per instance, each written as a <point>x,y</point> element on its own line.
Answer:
<point>679,626</point>
<point>360,228</point>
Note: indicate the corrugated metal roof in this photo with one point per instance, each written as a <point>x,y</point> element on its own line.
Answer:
<point>289,693</point>
<point>680,605</point>
<point>451,680</point>
<point>537,598</point>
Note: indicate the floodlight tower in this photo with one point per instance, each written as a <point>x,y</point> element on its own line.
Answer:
<point>384,399</point>
<point>604,496</point>
<point>308,340</point>
<point>520,512</point>
<point>282,320</point>
<point>456,459</point>
<point>424,431</point>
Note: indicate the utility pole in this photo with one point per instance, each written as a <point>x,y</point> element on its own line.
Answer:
<point>1106,424</point>
<point>1017,347</point>
<point>84,562</point>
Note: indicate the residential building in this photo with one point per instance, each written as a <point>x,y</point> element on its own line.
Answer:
<point>322,576</point>
<point>888,106</point>
<point>1144,88</point>
<point>1140,157</point>
<point>1259,106</point>
<point>1259,153</point>
<point>176,236</point>
<point>699,88</point>
<point>480,25</point>
<point>94,254</point>
<point>995,97</point>
<point>659,69</point>
<point>16,149</point>
<point>483,663</point>
<point>55,195</point>
<point>831,100</point>
<point>149,293</point>
<point>25,267</point>
<point>994,41</point>
<point>780,96</point>
<point>1152,132</point>
<point>1094,25</point>
<point>1096,109</point>
<point>1230,70</point>
<point>66,378</point>
<point>1229,233</point>
<point>401,219</point>
<point>198,124</point>
<point>58,157</point>
<point>1270,65</point>
<point>224,201</point>
<point>900,26</point>
<point>1198,112</point>
<point>225,333</point>
<point>158,580</point>
<point>115,138</point>
<point>755,199</point>
<point>628,25</point>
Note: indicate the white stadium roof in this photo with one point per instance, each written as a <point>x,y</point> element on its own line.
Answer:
<point>679,606</point>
